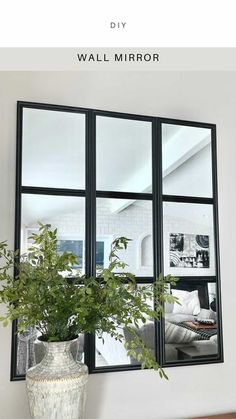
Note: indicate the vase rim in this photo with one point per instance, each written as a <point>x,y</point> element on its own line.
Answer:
<point>58,342</point>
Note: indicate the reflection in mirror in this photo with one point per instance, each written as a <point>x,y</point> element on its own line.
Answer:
<point>53,142</point>
<point>188,234</point>
<point>30,350</point>
<point>187,160</point>
<point>67,214</point>
<point>191,327</point>
<point>132,219</point>
<point>126,145</point>
<point>111,352</point>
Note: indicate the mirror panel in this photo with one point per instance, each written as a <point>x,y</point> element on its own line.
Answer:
<point>67,214</point>
<point>53,149</point>
<point>110,352</point>
<point>191,329</point>
<point>188,233</point>
<point>124,154</point>
<point>131,219</point>
<point>187,160</point>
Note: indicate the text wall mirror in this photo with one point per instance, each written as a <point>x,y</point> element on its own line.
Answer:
<point>97,175</point>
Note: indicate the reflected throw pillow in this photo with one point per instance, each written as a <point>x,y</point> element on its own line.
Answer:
<point>178,334</point>
<point>189,301</point>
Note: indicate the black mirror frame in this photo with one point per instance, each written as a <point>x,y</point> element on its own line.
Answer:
<point>91,194</point>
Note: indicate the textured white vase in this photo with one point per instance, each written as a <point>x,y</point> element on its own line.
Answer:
<point>57,385</point>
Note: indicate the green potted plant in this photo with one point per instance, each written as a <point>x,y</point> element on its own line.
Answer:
<point>48,294</point>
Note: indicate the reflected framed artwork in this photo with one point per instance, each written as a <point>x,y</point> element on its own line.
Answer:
<point>189,251</point>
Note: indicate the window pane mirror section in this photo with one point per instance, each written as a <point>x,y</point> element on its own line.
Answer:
<point>131,219</point>
<point>53,149</point>
<point>188,237</point>
<point>124,154</point>
<point>67,214</point>
<point>186,160</point>
<point>111,352</point>
<point>191,327</point>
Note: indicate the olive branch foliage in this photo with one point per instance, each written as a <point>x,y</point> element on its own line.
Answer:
<point>46,293</point>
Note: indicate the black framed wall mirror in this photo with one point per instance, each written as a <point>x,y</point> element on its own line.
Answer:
<point>97,175</point>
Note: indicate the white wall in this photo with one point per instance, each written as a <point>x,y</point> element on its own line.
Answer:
<point>203,96</point>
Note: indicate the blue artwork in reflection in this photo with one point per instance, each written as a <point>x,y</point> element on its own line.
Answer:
<point>76,247</point>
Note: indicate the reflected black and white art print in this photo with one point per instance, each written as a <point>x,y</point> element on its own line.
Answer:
<point>189,251</point>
